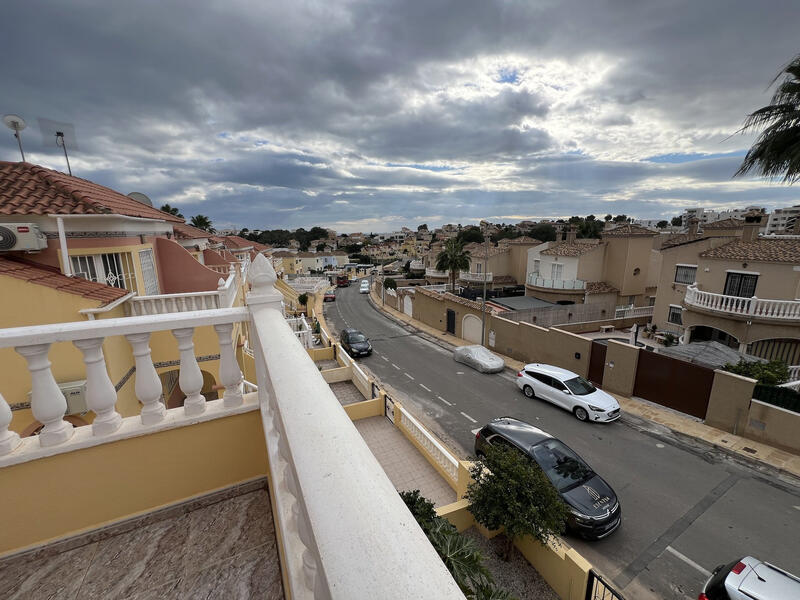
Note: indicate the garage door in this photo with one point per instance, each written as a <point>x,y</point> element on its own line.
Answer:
<point>471,329</point>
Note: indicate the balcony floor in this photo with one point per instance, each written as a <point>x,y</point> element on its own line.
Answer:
<point>346,392</point>
<point>406,468</point>
<point>225,550</point>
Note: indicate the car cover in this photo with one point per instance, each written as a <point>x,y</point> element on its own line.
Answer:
<point>479,358</point>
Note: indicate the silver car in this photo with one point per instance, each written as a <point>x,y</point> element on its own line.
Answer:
<point>749,578</point>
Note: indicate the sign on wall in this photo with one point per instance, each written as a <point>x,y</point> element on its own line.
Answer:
<point>491,338</point>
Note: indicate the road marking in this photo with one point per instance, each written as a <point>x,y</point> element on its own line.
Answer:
<point>384,358</point>
<point>409,376</point>
<point>459,372</point>
<point>659,445</point>
<point>395,366</point>
<point>688,561</point>
<point>475,431</point>
<point>468,417</point>
<point>424,387</point>
<point>445,401</point>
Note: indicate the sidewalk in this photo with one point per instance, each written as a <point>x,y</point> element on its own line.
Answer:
<point>734,445</point>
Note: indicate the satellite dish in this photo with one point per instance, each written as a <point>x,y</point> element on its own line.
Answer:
<point>16,124</point>
<point>140,197</point>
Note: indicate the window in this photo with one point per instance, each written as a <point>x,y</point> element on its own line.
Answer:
<point>741,284</point>
<point>579,386</point>
<point>545,379</point>
<point>651,301</point>
<point>556,271</point>
<point>675,315</point>
<point>536,265</point>
<point>685,274</point>
<point>114,269</point>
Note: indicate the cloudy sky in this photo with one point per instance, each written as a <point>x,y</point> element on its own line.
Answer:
<point>369,115</point>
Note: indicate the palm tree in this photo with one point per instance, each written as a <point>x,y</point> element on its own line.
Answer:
<point>776,152</point>
<point>171,210</point>
<point>452,258</point>
<point>202,222</point>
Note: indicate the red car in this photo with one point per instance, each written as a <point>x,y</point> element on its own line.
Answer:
<point>330,296</point>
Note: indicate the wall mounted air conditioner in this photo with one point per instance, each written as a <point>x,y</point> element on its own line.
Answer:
<point>16,237</point>
<point>75,395</point>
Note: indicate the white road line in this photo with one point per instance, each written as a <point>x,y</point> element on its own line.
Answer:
<point>395,366</point>
<point>445,401</point>
<point>688,561</point>
<point>424,387</point>
<point>468,417</point>
<point>409,376</point>
<point>475,431</point>
<point>384,358</point>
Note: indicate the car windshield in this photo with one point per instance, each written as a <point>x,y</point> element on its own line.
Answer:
<point>563,467</point>
<point>579,386</point>
<point>357,337</point>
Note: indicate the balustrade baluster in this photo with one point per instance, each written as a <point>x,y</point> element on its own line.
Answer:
<point>47,402</point>
<point>148,384</point>
<point>9,440</point>
<point>229,372</point>
<point>190,378</point>
<point>101,397</point>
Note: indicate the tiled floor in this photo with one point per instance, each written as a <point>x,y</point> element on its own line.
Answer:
<point>327,364</point>
<point>347,392</point>
<point>225,550</point>
<point>404,465</point>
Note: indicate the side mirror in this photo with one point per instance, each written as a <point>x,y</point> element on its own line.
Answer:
<point>567,392</point>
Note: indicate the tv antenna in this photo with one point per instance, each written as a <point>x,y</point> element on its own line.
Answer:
<point>60,141</point>
<point>16,124</point>
<point>64,136</point>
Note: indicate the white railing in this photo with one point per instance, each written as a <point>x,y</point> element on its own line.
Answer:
<point>434,273</point>
<point>629,311</point>
<point>784,310</point>
<point>440,454</point>
<point>158,304</point>
<point>555,284</point>
<point>474,277</point>
<point>311,285</point>
<point>416,265</point>
<point>221,269</point>
<point>794,373</point>
<point>302,330</point>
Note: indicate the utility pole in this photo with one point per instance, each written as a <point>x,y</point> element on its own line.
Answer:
<point>483,304</point>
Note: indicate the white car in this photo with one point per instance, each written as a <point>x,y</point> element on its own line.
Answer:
<point>364,289</point>
<point>567,390</point>
<point>749,578</point>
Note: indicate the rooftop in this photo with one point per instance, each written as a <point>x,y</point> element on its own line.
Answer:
<point>576,248</point>
<point>760,250</point>
<point>600,287</point>
<point>679,239</point>
<point>184,231</point>
<point>629,230</point>
<point>730,223</point>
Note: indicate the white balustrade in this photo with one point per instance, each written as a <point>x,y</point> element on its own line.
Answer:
<point>229,372</point>
<point>555,284</point>
<point>784,310</point>
<point>475,277</point>
<point>440,454</point>
<point>794,373</point>
<point>101,397</point>
<point>435,273</point>
<point>47,402</point>
<point>9,440</point>
<point>158,304</point>
<point>190,379</point>
<point>223,269</point>
<point>148,386</point>
<point>630,311</point>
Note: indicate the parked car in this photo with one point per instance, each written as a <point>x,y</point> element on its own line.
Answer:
<point>479,358</point>
<point>749,578</point>
<point>342,281</point>
<point>364,288</point>
<point>330,296</point>
<point>567,390</point>
<point>594,510</point>
<point>355,343</point>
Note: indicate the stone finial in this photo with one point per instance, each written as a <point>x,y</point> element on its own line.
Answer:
<point>221,284</point>
<point>261,274</point>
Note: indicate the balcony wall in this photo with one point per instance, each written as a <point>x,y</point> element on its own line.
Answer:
<point>179,272</point>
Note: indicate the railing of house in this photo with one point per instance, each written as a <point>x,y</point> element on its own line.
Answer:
<point>416,265</point>
<point>447,461</point>
<point>556,284</point>
<point>788,310</point>
<point>222,269</point>
<point>302,330</point>
<point>629,311</point>
<point>474,277</point>
<point>309,284</point>
<point>434,273</point>
<point>340,519</point>
<point>159,304</point>
<point>794,373</point>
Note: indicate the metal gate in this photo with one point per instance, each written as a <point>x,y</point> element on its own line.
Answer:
<point>597,363</point>
<point>599,589</point>
<point>673,383</point>
<point>451,321</point>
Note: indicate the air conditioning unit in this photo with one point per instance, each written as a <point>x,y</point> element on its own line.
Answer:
<point>75,395</point>
<point>21,237</point>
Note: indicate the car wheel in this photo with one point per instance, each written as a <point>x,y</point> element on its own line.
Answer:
<point>528,391</point>
<point>581,414</point>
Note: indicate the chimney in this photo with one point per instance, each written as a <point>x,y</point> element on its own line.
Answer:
<point>693,223</point>
<point>571,234</point>
<point>752,224</point>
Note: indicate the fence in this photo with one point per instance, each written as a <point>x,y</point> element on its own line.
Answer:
<point>642,311</point>
<point>782,397</point>
<point>446,461</point>
<point>599,589</point>
<point>548,316</point>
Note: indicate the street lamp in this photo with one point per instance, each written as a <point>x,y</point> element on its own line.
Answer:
<point>483,304</point>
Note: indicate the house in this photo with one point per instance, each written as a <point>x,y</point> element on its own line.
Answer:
<point>784,220</point>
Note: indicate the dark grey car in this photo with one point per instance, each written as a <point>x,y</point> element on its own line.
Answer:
<point>355,343</point>
<point>594,510</point>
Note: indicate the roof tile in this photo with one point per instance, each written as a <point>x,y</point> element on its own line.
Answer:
<point>761,250</point>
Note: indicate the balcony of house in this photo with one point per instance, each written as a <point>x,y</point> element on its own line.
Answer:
<point>416,265</point>
<point>743,309</point>
<point>569,285</point>
<point>429,272</point>
<point>222,498</point>
<point>475,277</point>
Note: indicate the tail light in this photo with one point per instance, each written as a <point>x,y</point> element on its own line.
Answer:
<point>23,229</point>
<point>738,568</point>
<point>702,596</point>
<point>519,373</point>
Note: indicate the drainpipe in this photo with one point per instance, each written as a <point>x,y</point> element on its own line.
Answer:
<point>66,266</point>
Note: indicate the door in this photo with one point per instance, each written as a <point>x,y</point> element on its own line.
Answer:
<point>541,385</point>
<point>148,272</point>
<point>471,329</point>
<point>741,284</point>
<point>556,271</point>
<point>560,395</point>
<point>597,363</point>
<point>451,321</point>
<point>408,307</point>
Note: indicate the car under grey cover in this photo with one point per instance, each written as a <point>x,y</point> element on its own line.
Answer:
<point>479,358</point>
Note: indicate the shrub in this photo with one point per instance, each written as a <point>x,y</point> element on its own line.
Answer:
<point>774,372</point>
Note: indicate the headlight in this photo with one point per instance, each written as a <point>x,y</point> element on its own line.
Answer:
<point>596,408</point>
<point>580,517</point>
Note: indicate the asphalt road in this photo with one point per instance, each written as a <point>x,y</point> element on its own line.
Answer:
<point>686,508</point>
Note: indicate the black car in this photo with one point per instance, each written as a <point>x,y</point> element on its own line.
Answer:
<point>594,510</point>
<point>355,343</point>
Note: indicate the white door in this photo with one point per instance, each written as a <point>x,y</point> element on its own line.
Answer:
<point>557,270</point>
<point>471,329</point>
<point>408,307</point>
<point>148,272</point>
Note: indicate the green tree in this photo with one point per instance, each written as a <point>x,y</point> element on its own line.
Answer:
<point>662,224</point>
<point>469,234</point>
<point>321,247</point>
<point>543,232</point>
<point>677,221</point>
<point>423,227</point>
<point>620,218</point>
<point>776,152</point>
<point>202,222</point>
<point>172,210</point>
<point>512,492</point>
<point>607,218</point>
<point>774,372</point>
<point>453,258</point>
<point>388,284</point>
<point>302,299</point>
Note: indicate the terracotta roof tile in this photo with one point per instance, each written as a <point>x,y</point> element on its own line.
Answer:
<point>761,250</point>
<point>184,231</point>
<point>27,189</point>
<point>52,278</point>
<point>679,239</point>
<point>452,298</point>
<point>629,230</point>
<point>725,224</point>
<point>600,287</point>
<point>237,241</point>
<point>576,248</point>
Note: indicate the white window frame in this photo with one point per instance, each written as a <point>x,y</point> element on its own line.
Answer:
<point>123,259</point>
<point>556,271</point>
<point>685,266</point>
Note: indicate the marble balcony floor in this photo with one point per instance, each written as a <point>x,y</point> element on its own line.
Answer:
<point>226,550</point>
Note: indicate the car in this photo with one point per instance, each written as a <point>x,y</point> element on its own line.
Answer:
<point>594,511</point>
<point>355,343</point>
<point>569,391</point>
<point>342,281</point>
<point>479,358</point>
<point>748,578</point>
<point>364,287</point>
<point>330,296</point>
